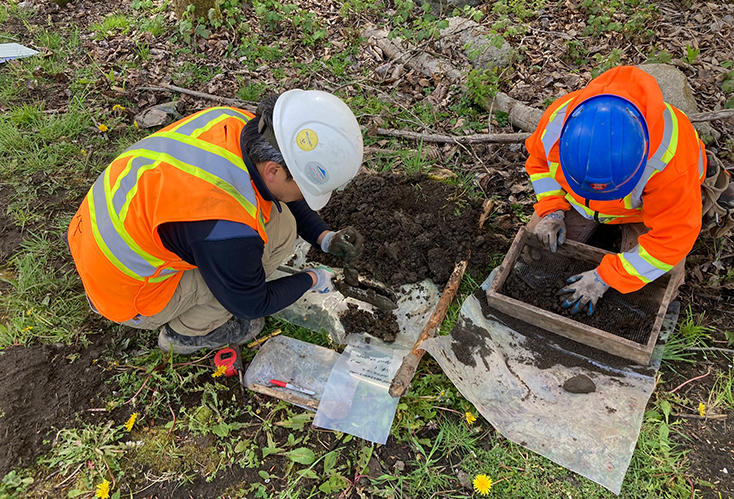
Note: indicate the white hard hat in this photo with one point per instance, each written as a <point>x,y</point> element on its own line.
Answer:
<point>320,140</point>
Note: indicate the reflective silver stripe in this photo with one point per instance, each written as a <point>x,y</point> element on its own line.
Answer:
<point>643,268</point>
<point>654,163</point>
<point>553,130</point>
<point>234,174</point>
<point>544,185</point>
<point>121,250</point>
<point>656,160</point>
<point>636,194</point>
<point>205,118</point>
<point>127,182</point>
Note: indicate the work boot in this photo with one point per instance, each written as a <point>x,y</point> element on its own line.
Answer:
<point>233,332</point>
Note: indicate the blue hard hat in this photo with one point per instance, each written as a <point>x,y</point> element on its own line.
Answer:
<point>603,147</point>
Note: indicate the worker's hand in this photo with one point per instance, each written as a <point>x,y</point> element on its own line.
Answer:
<point>551,231</point>
<point>323,276</point>
<point>587,288</point>
<point>346,243</point>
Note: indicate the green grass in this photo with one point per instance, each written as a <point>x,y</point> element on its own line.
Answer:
<point>113,25</point>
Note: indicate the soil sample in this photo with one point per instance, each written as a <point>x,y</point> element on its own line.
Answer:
<point>414,228</point>
<point>380,324</point>
<point>538,283</point>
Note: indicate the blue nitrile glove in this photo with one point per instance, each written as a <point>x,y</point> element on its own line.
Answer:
<point>347,243</point>
<point>588,288</point>
<point>324,275</point>
<point>551,231</point>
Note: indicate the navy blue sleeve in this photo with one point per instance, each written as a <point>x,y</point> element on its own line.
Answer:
<point>229,257</point>
<point>309,224</point>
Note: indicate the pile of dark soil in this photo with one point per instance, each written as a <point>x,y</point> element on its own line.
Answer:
<point>43,389</point>
<point>414,228</point>
<point>380,324</point>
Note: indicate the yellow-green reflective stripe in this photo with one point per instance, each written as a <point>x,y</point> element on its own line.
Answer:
<point>553,167</point>
<point>552,131</point>
<point>549,194</point>
<point>210,125</point>
<point>631,269</point>
<point>200,121</point>
<point>561,107</point>
<point>665,267</point>
<point>199,173</point>
<point>538,176</point>
<point>673,144</point>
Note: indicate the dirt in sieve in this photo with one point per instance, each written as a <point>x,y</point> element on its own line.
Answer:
<point>612,313</point>
<point>550,349</point>
<point>414,228</point>
<point>44,388</point>
<point>382,324</point>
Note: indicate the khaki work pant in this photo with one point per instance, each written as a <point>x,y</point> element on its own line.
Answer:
<point>581,229</point>
<point>193,309</point>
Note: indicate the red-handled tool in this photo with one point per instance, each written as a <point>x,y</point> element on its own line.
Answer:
<point>227,357</point>
<point>230,357</point>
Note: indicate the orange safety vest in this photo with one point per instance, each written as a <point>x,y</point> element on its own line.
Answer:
<point>667,199</point>
<point>189,171</point>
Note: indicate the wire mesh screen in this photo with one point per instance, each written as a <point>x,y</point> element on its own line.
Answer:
<point>538,276</point>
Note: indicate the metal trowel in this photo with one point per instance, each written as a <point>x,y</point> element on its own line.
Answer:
<point>352,286</point>
<point>365,290</point>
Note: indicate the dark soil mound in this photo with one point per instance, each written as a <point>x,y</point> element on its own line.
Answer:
<point>43,388</point>
<point>382,324</point>
<point>415,228</point>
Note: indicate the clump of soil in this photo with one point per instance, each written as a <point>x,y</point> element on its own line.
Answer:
<point>468,340</point>
<point>414,228</point>
<point>579,384</point>
<point>629,316</point>
<point>380,324</point>
<point>43,388</point>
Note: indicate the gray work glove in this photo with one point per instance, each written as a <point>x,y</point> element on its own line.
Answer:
<point>324,275</point>
<point>587,288</point>
<point>346,243</point>
<point>551,231</point>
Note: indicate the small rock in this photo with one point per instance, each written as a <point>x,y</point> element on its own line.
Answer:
<point>579,384</point>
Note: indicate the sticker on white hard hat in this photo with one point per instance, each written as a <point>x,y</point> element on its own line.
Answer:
<point>307,139</point>
<point>316,173</point>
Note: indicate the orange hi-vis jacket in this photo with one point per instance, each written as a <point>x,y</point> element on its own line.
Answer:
<point>191,170</point>
<point>667,199</point>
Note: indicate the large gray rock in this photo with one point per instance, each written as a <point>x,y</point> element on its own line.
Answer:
<point>476,43</point>
<point>677,92</point>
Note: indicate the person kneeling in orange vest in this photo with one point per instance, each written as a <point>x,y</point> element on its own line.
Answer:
<point>183,228</point>
<point>615,153</point>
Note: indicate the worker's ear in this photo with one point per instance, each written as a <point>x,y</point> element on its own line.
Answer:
<point>271,170</point>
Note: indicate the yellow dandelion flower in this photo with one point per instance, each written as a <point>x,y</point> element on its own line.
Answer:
<point>702,409</point>
<point>103,490</point>
<point>470,419</point>
<point>136,124</point>
<point>130,422</point>
<point>118,107</point>
<point>482,484</point>
<point>102,127</point>
<point>29,328</point>
<point>84,152</point>
<point>220,371</point>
